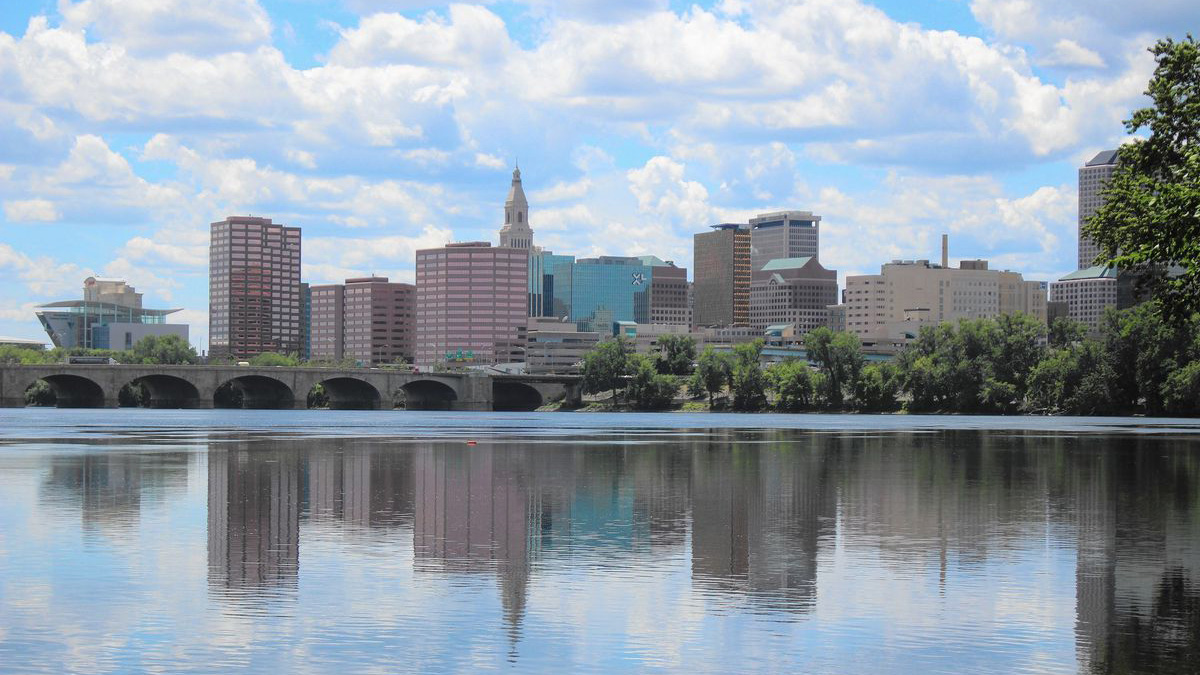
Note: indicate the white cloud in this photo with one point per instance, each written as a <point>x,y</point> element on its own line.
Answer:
<point>661,190</point>
<point>43,276</point>
<point>30,210</point>
<point>166,26</point>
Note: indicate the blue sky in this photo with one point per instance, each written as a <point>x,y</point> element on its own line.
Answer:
<point>383,126</point>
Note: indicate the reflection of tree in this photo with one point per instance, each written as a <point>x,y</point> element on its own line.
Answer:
<point>1138,595</point>
<point>253,515</point>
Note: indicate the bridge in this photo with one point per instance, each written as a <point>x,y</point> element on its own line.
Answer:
<point>98,386</point>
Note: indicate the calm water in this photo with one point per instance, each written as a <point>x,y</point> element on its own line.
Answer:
<point>309,541</point>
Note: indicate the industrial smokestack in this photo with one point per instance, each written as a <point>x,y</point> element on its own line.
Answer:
<point>945,251</point>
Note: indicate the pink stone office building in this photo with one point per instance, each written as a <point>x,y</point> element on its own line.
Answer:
<point>254,297</point>
<point>472,304</point>
<point>369,320</point>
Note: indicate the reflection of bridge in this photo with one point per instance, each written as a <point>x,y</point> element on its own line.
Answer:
<point>97,386</point>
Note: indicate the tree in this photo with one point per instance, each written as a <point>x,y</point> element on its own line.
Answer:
<point>676,354</point>
<point>604,367</point>
<point>1064,332</point>
<point>163,349</point>
<point>747,382</point>
<point>1150,218</point>
<point>877,388</point>
<point>839,356</point>
<point>648,389</point>
<point>1181,391</point>
<point>792,382</point>
<point>1073,381</point>
<point>711,374</point>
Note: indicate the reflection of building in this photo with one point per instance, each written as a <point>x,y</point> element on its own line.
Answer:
<point>254,298</point>
<point>110,316</point>
<point>721,265</point>
<point>370,320</point>
<point>361,486</point>
<point>472,298</point>
<point>253,516</point>
<point>474,512</point>
<point>757,524</point>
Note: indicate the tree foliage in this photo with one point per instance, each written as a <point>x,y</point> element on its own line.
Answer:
<point>712,373</point>
<point>649,389</point>
<point>675,354</point>
<point>747,382</point>
<point>163,349</point>
<point>793,385</point>
<point>604,367</point>
<point>839,356</point>
<point>1150,218</point>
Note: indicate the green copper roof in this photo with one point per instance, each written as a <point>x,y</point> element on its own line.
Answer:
<point>1097,272</point>
<point>786,264</point>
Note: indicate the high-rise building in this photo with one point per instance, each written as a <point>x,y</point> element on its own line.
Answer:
<point>370,320</point>
<point>784,234</point>
<point>110,316</point>
<point>608,289</point>
<point>721,268</point>
<point>550,284</point>
<point>516,233</point>
<point>1093,176</point>
<point>254,302</point>
<point>792,291</point>
<point>906,294</point>
<point>1087,293</point>
<point>472,303</point>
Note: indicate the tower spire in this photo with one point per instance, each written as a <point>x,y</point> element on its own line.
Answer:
<point>516,233</point>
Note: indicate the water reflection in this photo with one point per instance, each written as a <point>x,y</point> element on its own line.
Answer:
<point>957,550</point>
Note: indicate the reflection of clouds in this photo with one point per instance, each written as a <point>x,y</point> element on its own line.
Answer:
<point>772,551</point>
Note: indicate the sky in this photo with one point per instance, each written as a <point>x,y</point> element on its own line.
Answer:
<point>383,126</point>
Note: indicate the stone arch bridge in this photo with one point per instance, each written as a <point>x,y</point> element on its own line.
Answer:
<point>97,386</point>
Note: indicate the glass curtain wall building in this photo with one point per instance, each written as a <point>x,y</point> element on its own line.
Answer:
<point>608,289</point>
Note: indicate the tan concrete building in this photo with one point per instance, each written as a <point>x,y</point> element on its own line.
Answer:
<point>1093,177</point>
<point>556,346</point>
<point>907,294</point>
<point>784,234</point>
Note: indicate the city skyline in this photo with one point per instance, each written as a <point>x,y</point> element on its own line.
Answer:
<point>382,132</point>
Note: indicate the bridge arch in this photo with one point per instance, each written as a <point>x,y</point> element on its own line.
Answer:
<point>515,396</point>
<point>257,392</point>
<point>72,391</point>
<point>350,393</point>
<point>428,395</point>
<point>168,391</point>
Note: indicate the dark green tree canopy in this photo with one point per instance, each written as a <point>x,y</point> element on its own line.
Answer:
<point>1150,221</point>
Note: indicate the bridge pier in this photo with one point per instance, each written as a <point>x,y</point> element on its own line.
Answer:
<point>12,402</point>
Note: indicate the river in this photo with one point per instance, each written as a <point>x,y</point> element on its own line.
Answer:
<point>312,541</point>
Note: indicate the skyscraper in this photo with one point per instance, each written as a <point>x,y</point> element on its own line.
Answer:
<point>796,291</point>
<point>516,233</point>
<point>784,234</point>
<point>473,299</point>
<point>1092,178</point>
<point>721,267</point>
<point>254,299</point>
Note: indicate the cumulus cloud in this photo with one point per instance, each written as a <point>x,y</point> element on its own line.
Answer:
<point>168,26</point>
<point>30,211</point>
